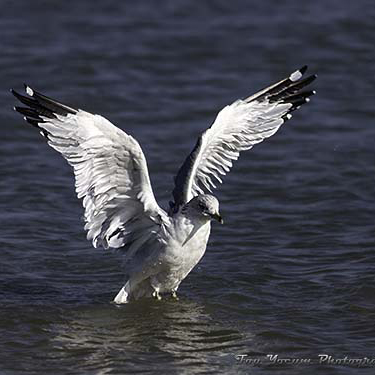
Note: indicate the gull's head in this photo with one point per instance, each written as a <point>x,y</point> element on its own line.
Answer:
<point>207,206</point>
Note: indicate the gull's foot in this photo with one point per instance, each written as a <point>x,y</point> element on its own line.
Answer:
<point>174,295</point>
<point>156,295</point>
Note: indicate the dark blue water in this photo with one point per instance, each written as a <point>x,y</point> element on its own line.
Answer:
<point>291,273</point>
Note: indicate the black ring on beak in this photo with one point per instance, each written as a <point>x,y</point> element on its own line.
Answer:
<point>218,218</point>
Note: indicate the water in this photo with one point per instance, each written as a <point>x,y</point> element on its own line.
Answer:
<point>291,273</point>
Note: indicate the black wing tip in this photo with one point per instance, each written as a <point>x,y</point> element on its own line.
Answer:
<point>32,121</point>
<point>14,92</point>
<point>35,123</point>
<point>297,75</point>
<point>299,95</point>
<point>303,69</point>
<point>297,100</point>
<point>19,96</point>
<point>29,91</point>
<point>313,77</point>
<point>289,85</point>
<point>46,106</point>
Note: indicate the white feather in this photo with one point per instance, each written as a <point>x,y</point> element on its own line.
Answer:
<point>111,176</point>
<point>237,127</point>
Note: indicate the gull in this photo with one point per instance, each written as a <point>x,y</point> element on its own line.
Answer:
<point>160,246</point>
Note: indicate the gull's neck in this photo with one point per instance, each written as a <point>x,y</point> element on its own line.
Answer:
<point>188,224</point>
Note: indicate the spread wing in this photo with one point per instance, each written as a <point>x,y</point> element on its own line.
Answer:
<point>238,127</point>
<point>110,170</point>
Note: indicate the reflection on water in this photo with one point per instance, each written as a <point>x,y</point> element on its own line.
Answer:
<point>181,333</point>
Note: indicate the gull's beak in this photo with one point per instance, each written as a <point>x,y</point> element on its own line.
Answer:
<point>218,217</point>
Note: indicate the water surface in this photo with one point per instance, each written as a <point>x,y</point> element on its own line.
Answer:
<point>292,270</point>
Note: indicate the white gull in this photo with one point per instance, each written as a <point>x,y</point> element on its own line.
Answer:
<point>121,212</point>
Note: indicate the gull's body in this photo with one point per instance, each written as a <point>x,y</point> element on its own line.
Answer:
<point>168,263</point>
<point>121,212</point>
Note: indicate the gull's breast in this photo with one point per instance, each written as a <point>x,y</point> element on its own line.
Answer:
<point>186,247</point>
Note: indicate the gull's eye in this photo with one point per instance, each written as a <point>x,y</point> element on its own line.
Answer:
<point>202,206</point>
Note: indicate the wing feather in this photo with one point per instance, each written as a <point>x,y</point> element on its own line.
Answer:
<point>238,127</point>
<point>110,170</point>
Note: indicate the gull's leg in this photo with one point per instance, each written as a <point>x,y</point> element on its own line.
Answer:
<point>174,294</point>
<point>156,294</point>
<point>122,296</point>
